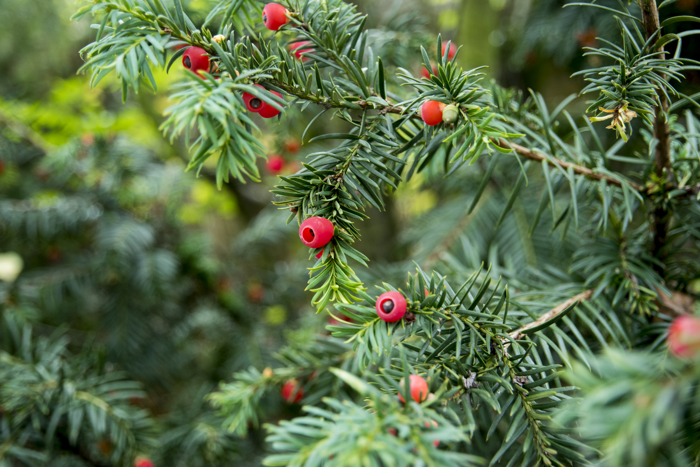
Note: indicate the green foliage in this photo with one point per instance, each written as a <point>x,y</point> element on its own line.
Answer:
<point>501,361</point>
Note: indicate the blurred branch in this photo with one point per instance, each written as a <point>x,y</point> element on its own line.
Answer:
<point>25,133</point>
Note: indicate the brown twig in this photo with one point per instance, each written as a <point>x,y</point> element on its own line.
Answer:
<point>554,162</point>
<point>551,314</point>
<point>662,160</point>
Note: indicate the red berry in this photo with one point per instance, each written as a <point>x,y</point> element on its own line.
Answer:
<point>319,254</point>
<point>275,164</point>
<point>424,73</point>
<point>252,103</point>
<point>267,111</point>
<point>292,146</point>
<point>2,167</point>
<point>274,16</point>
<point>143,462</point>
<point>316,232</point>
<point>392,431</point>
<point>684,336</point>
<point>292,392</point>
<point>431,112</point>
<point>196,59</point>
<point>452,52</point>
<point>391,306</point>
<point>418,386</point>
<point>297,49</point>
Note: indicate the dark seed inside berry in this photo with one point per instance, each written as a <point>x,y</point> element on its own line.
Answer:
<point>188,62</point>
<point>255,103</point>
<point>265,18</point>
<point>387,306</point>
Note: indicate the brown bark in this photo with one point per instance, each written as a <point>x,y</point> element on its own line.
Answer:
<point>662,162</point>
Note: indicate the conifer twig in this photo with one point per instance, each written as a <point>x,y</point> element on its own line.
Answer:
<point>551,314</point>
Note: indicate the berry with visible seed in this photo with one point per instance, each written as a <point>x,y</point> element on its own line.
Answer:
<point>268,111</point>
<point>253,103</point>
<point>274,16</point>
<point>196,60</point>
<point>391,306</point>
<point>316,232</point>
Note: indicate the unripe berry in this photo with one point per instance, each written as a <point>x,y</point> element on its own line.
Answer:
<point>219,38</point>
<point>431,112</point>
<point>684,336</point>
<point>316,232</point>
<point>274,16</point>
<point>297,48</point>
<point>2,167</point>
<point>418,386</point>
<point>267,111</point>
<point>391,306</point>
<point>451,53</point>
<point>292,392</point>
<point>196,59</point>
<point>450,114</point>
<point>143,462</point>
<point>275,164</point>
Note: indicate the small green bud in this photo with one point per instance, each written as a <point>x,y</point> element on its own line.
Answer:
<point>450,114</point>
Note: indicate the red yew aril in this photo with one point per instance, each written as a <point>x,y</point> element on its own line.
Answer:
<point>436,443</point>
<point>275,164</point>
<point>684,336</point>
<point>268,111</point>
<point>196,59</point>
<point>418,386</point>
<point>292,146</point>
<point>253,103</point>
<point>292,392</point>
<point>431,112</point>
<point>391,306</point>
<point>274,16</point>
<point>298,48</point>
<point>451,53</point>
<point>143,462</point>
<point>316,232</point>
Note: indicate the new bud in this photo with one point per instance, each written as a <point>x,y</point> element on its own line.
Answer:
<point>450,114</point>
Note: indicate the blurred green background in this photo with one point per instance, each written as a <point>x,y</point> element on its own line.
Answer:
<point>149,269</point>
